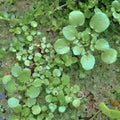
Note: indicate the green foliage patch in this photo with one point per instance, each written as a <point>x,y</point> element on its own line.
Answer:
<point>55,45</point>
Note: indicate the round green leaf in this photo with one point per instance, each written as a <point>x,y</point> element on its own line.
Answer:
<point>61,46</point>
<point>101,44</point>
<point>62,109</point>
<point>77,50</point>
<point>48,98</point>
<point>52,107</point>
<point>99,22</point>
<point>36,109</point>
<point>76,18</point>
<point>24,76</point>
<point>37,82</point>
<point>34,24</point>
<point>13,102</point>
<point>56,72</point>
<point>30,102</point>
<point>70,32</point>
<point>76,102</point>
<point>116,5</point>
<point>68,99</point>
<point>16,70</point>
<point>87,61</point>
<point>29,38</point>
<point>10,86</point>
<point>109,56</point>
<point>33,92</point>
<point>65,79</point>
<point>6,79</point>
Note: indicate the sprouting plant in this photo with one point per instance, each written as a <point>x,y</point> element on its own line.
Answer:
<point>82,42</point>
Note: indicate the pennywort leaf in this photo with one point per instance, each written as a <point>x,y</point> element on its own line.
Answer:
<point>62,109</point>
<point>70,32</point>
<point>56,72</point>
<point>16,70</point>
<point>109,56</point>
<point>99,22</point>
<point>10,86</point>
<point>36,109</point>
<point>76,102</point>
<point>76,18</point>
<point>101,44</point>
<point>33,92</point>
<point>6,79</point>
<point>52,107</point>
<point>77,50</point>
<point>61,46</point>
<point>13,102</point>
<point>24,76</point>
<point>87,61</point>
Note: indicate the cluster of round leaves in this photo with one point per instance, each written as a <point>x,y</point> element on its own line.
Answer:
<point>83,43</point>
<point>41,87</point>
<point>40,97</point>
<point>115,10</point>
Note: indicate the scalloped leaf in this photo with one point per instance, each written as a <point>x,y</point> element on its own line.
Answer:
<point>16,70</point>
<point>62,109</point>
<point>24,76</point>
<point>61,46</point>
<point>101,44</point>
<point>13,102</point>
<point>76,102</point>
<point>33,92</point>
<point>109,56</point>
<point>77,50</point>
<point>99,22</point>
<point>87,61</point>
<point>36,109</point>
<point>70,32</point>
<point>76,18</point>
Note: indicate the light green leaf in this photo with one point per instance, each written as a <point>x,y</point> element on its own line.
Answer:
<point>6,79</point>
<point>109,56</point>
<point>16,70</point>
<point>36,109</point>
<point>76,102</point>
<point>37,82</point>
<point>48,98</point>
<point>56,73</point>
<point>69,60</point>
<point>62,109</point>
<point>61,46</point>
<point>30,102</point>
<point>10,86</point>
<point>116,5</point>
<point>99,22</point>
<point>65,79</point>
<point>33,92</point>
<point>101,44</point>
<point>70,32</point>
<point>52,107</point>
<point>87,61</point>
<point>24,76</point>
<point>68,99</point>
<point>34,24</point>
<point>76,18</point>
<point>13,102</point>
<point>77,50</point>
